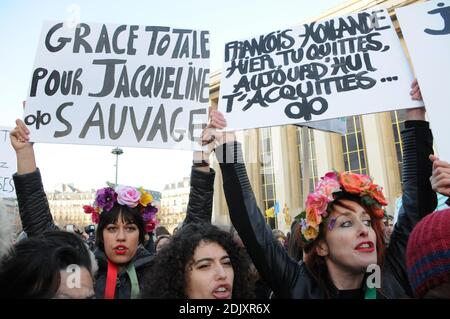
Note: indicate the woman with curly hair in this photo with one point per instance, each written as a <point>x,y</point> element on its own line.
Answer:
<point>200,262</point>
<point>124,215</point>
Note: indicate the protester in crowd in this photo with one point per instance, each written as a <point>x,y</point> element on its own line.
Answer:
<point>388,228</point>
<point>341,227</point>
<point>200,262</point>
<point>161,230</point>
<point>279,236</point>
<point>55,264</point>
<point>72,228</point>
<point>123,217</point>
<point>161,237</point>
<point>90,241</point>
<point>428,252</point>
<point>161,242</point>
<point>120,216</point>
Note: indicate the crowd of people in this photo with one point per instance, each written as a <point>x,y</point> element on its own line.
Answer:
<point>342,233</point>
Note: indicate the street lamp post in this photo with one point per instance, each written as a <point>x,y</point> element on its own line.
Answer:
<point>117,151</point>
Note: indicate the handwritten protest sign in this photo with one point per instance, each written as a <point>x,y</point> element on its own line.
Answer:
<point>8,164</point>
<point>426,29</point>
<point>340,67</point>
<point>129,85</point>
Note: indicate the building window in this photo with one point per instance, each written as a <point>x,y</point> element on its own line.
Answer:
<point>354,149</point>
<point>398,123</point>
<point>267,172</point>
<point>312,159</point>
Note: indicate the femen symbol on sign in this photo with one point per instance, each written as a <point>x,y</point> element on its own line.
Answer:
<point>38,119</point>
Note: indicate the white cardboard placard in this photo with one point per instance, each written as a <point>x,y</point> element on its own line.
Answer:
<point>8,164</point>
<point>127,85</point>
<point>340,67</point>
<point>426,29</point>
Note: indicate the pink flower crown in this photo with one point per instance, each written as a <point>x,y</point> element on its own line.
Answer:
<point>329,186</point>
<point>105,198</point>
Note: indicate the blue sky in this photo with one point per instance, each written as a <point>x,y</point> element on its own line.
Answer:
<point>90,166</point>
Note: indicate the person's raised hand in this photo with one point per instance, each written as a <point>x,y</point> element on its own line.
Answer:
<point>417,113</point>
<point>211,135</point>
<point>440,178</point>
<point>19,137</point>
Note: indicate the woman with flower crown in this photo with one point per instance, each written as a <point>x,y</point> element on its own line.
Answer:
<point>123,216</point>
<point>341,227</point>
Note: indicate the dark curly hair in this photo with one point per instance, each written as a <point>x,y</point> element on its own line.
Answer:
<point>167,276</point>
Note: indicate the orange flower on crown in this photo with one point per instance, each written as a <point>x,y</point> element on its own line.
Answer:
<point>354,183</point>
<point>376,192</point>
<point>311,233</point>
<point>313,217</point>
<point>327,190</point>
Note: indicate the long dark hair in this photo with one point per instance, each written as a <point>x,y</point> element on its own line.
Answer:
<point>316,264</point>
<point>127,214</point>
<point>167,277</point>
<point>295,243</point>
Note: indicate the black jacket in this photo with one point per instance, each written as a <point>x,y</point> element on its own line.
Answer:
<point>288,278</point>
<point>142,263</point>
<point>36,218</point>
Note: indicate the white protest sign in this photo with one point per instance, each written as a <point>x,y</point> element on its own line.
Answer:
<point>8,164</point>
<point>127,85</point>
<point>426,29</point>
<point>335,125</point>
<point>335,68</point>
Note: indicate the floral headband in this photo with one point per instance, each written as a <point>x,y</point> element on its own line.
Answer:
<point>329,186</point>
<point>105,198</point>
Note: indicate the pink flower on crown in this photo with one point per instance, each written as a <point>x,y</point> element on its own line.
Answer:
<point>331,175</point>
<point>129,196</point>
<point>328,185</point>
<point>317,201</point>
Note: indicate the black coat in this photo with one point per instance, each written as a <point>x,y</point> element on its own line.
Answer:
<point>290,279</point>
<point>142,263</point>
<point>36,218</point>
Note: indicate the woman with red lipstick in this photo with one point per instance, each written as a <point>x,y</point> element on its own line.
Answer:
<point>123,218</point>
<point>200,262</point>
<point>341,226</point>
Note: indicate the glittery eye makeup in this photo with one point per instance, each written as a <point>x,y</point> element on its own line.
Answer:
<point>331,223</point>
